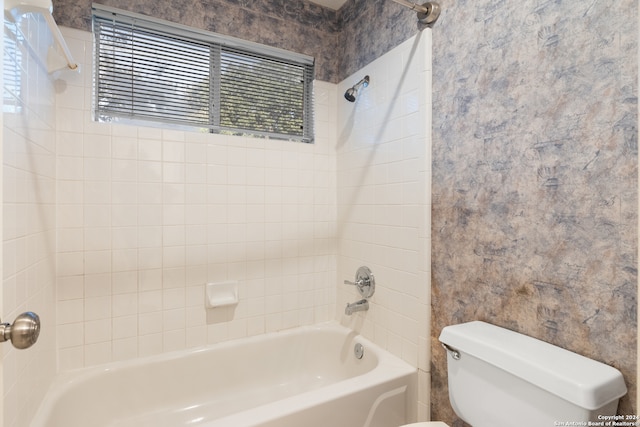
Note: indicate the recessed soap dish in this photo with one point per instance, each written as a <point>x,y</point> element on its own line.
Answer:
<point>220,294</point>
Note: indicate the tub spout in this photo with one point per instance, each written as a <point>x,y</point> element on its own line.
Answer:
<point>361,305</point>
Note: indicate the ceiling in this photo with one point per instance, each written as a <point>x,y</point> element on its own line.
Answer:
<point>331,4</point>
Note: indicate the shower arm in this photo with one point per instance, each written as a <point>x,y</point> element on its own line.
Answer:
<point>428,13</point>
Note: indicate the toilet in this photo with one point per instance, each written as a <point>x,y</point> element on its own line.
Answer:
<point>500,378</point>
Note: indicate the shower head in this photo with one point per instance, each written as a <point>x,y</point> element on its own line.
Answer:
<point>352,92</point>
<point>350,95</point>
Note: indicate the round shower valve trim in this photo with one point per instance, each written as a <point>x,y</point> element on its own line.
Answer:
<point>365,282</point>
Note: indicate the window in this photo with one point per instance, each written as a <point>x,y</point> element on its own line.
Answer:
<point>13,68</point>
<point>151,70</point>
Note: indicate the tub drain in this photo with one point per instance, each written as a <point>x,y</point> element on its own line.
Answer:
<point>358,350</point>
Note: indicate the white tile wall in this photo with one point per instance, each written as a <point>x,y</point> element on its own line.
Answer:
<point>384,202</point>
<point>28,233</point>
<point>148,216</point>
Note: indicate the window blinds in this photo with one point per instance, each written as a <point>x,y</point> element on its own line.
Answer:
<point>151,70</point>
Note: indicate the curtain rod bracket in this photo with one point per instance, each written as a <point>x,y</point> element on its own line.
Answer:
<point>431,15</point>
<point>428,13</point>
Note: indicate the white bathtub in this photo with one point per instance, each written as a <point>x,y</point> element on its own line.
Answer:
<point>307,377</point>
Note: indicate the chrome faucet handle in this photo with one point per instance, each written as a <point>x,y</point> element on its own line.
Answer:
<point>365,282</point>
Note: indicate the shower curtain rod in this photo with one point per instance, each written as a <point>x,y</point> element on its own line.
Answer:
<point>428,13</point>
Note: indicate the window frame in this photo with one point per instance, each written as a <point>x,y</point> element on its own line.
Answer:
<point>103,16</point>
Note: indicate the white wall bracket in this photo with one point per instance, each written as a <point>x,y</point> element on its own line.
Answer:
<point>17,8</point>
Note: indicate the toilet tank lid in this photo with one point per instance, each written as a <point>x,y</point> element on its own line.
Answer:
<point>575,378</point>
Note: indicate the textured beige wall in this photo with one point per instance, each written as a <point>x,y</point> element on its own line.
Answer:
<point>297,26</point>
<point>342,42</point>
<point>535,177</point>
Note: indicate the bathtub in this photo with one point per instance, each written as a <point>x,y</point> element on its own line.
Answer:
<point>308,376</point>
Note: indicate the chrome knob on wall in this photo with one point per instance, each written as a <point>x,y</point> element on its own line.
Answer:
<point>24,331</point>
<point>365,282</point>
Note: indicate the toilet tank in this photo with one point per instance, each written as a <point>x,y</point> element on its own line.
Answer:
<point>500,378</point>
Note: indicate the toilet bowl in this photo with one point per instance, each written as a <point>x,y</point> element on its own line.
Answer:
<point>427,424</point>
